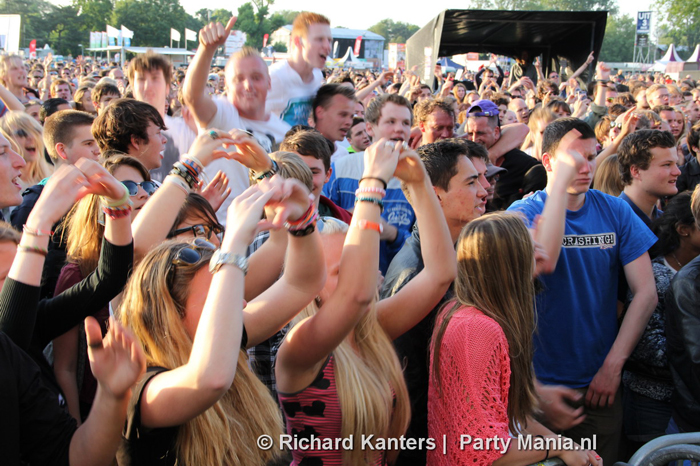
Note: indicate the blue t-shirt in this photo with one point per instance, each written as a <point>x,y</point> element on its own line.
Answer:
<point>341,188</point>
<point>577,311</point>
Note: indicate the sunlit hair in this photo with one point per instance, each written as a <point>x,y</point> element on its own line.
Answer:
<point>244,52</point>
<point>78,97</point>
<point>454,92</point>
<point>300,26</point>
<point>197,207</point>
<point>39,168</point>
<point>6,64</point>
<point>534,139</point>
<point>84,225</point>
<point>368,376</point>
<point>153,308</point>
<point>495,260</point>
<point>8,234</point>
<point>607,177</point>
<point>291,165</point>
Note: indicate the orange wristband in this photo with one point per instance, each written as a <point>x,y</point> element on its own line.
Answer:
<point>367,225</point>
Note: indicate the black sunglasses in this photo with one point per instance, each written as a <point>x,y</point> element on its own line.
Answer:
<point>20,133</point>
<point>200,231</point>
<point>133,187</point>
<point>189,256</point>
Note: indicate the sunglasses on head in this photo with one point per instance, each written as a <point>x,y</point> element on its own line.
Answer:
<point>200,230</point>
<point>189,255</point>
<point>133,187</point>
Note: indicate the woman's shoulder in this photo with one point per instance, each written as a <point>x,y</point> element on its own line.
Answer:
<point>470,317</point>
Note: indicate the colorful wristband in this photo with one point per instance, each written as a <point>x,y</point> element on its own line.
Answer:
<point>33,250</point>
<point>33,232</point>
<point>373,200</point>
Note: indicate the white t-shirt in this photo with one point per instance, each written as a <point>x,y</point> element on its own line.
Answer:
<point>340,152</point>
<point>290,98</point>
<point>268,133</point>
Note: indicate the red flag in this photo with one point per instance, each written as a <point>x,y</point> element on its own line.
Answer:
<point>265,37</point>
<point>358,42</point>
<point>32,49</point>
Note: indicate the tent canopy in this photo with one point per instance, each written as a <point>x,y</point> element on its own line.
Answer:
<point>567,34</point>
<point>447,63</point>
<point>671,55</point>
<point>695,57</point>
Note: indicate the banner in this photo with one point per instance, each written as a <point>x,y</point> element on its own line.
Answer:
<point>234,42</point>
<point>358,43</point>
<point>174,35</point>
<point>643,22</point>
<point>191,35</point>
<point>127,35</point>
<point>265,37</point>
<point>32,49</point>
<point>104,40</point>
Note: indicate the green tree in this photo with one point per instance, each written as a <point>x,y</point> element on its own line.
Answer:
<point>94,14</point>
<point>34,15</point>
<point>150,20</point>
<point>66,30</point>
<point>618,45</point>
<point>287,15</point>
<point>394,31</point>
<point>254,20</point>
<point>681,21</point>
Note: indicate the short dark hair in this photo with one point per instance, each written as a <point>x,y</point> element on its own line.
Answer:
<point>150,61</point>
<point>374,109</point>
<point>49,107</point>
<point>556,130</point>
<point>59,128</point>
<point>676,212</point>
<point>122,119</point>
<point>356,121</point>
<point>441,158</point>
<point>635,150</point>
<point>310,144</point>
<point>327,92</point>
<point>104,88</point>
<point>693,138</point>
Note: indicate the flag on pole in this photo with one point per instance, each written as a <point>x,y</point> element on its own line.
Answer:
<point>265,37</point>
<point>190,35</point>
<point>113,33</point>
<point>127,35</point>
<point>174,35</point>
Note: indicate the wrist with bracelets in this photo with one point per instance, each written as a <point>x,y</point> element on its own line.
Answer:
<point>304,225</point>
<point>184,172</point>
<point>119,208</point>
<point>117,203</point>
<point>36,232</point>
<point>268,174</point>
<point>33,250</point>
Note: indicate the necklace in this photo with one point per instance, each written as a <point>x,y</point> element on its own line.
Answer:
<point>673,254</point>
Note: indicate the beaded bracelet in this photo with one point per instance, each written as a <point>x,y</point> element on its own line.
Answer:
<point>191,166</point>
<point>379,191</point>
<point>373,200</point>
<point>309,217</point>
<point>116,214</point>
<point>373,178</point>
<point>37,232</point>
<point>33,250</point>
<point>195,160</point>
<point>268,174</point>
<point>181,170</point>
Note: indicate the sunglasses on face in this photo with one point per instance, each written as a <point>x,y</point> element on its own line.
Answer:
<point>200,230</point>
<point>20,133</point>
<point>133,187</point>
<point>614,125</point>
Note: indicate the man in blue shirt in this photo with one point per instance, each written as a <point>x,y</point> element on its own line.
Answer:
<point>588,235</point>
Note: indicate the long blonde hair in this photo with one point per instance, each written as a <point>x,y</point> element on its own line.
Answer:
<point>495,260</point>
<point>153,308</point>
<point>369,380</point>
<point>38,169</point>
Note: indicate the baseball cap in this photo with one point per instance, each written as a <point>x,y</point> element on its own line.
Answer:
<point>492,170</point>
<point>483,108</point>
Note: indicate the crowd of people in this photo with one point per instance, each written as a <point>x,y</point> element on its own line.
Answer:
<point>175,265</point>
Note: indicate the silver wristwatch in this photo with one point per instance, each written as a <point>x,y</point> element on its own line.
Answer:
<point>220,258</point>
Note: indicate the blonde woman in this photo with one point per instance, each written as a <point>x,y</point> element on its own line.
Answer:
<point>481,374</point>
<point>540,118</point>
<point>185,303</point>
<point>338,376</point>
<point>26,132</point>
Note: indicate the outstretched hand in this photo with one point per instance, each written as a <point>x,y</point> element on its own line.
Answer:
<point>289,202</point>
<point>117,361</point>
<point>209,146</point>
<point>246,150</point>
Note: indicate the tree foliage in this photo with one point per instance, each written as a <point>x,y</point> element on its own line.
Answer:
<point>618,45</point>
<point>680,21</point>
<point>394,31</point>
<point>150,20</point>
<point>254,19</point>
<point>35,14</point>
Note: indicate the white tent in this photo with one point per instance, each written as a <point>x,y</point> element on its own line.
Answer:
<point>695,57</point>
<point>671,55</point>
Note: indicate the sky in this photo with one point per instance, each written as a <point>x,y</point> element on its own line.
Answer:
<point>361,14</point>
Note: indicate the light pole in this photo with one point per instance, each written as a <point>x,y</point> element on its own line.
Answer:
<point>82,52</point>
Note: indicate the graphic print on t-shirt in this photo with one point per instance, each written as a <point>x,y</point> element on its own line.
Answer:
<point>599,240</point>
<point>297,111</point>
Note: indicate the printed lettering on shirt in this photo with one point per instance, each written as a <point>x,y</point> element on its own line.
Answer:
<point>265,140</point>
<point>297,112</point>
<point>600,241</point>
<point>399,216</point>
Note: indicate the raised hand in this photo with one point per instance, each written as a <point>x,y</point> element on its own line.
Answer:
<point>209,145</point>
<point>248,151</point>
<point>99,180</point>
<point>410,168</point>
<point>214,35</point>
<point>117,361</point>
<point>381,159</point>
<point>217,190</point>
<point>289,202</point>
<point>246,210</point>
<point>64,187</point>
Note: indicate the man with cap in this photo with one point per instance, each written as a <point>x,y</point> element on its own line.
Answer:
<point>493,174</point>
<point>483,127</point>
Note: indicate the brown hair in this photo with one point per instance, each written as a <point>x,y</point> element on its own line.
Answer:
<point>310,144</point>
<point>59,128</point>
<point>122,119</point>
<point>374,109</point>
<point>150,61</point>
<point>635,150</point>
<point>424,108</point>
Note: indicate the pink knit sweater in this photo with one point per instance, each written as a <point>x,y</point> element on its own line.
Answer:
<point>475,378</point>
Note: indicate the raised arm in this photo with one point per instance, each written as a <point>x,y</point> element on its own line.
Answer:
<point>402,311</point>
<point>310,342</point>
<point>174,397</point>
<point>512,137</point>
<point>583,67</point>
<point>211,37</point>
<point>9,99</point>
<point>379,82</point>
